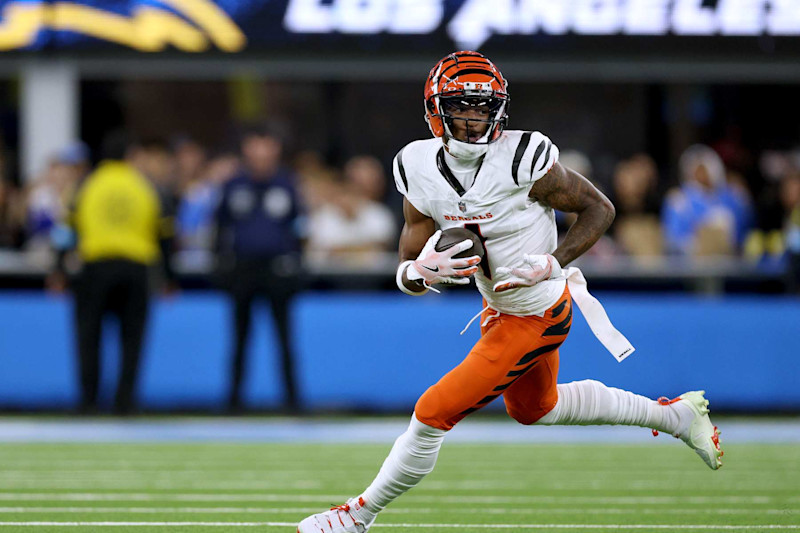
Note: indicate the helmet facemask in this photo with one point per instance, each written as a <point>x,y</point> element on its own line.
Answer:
<point>466,97</point>
<point>473,119</point>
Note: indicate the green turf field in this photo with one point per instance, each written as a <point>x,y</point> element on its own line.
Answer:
<point>482,488</point>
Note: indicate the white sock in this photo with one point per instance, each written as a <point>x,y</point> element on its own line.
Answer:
<point>411,459</point>
<point>589,402</point>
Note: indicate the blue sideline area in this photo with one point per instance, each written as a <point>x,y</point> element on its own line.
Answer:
<point>380,351</point>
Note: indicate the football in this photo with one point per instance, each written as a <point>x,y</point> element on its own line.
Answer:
<point>451,237</point>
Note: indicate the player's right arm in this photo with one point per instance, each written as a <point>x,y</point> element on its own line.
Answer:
<point>421,265</point>
<point>416,231</point>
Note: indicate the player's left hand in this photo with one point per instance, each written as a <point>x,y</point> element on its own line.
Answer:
<point>537,268</point>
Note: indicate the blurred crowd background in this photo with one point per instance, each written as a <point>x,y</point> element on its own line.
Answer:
<point>697,180</point>
<point>684,113</point>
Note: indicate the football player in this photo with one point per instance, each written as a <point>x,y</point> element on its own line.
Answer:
<point>504,186</point>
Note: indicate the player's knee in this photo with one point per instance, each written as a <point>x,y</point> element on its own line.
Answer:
<point>528,416</point>
<point>429,410</point>
<point>522,416</point>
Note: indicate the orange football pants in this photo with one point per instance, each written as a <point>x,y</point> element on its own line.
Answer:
<point>516,357</point>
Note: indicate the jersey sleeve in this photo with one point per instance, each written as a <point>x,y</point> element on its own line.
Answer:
<point>403,171</point>
<point>535,156</point>
<point>399,173</point>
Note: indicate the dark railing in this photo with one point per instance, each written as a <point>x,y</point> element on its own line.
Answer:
<point>710,275</point>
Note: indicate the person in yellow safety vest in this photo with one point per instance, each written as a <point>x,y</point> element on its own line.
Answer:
<point>120,230</point>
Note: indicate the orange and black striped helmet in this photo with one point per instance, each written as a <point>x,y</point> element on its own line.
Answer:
<point>466,76</point>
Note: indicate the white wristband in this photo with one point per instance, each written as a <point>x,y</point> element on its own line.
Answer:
<point>399,280</point>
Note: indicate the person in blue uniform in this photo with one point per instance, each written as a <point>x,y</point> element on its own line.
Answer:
<point>259,228</point>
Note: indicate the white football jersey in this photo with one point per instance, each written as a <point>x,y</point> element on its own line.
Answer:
<point>496,207</point>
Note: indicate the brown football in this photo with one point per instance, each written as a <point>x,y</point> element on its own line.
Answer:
<point>451,237</point>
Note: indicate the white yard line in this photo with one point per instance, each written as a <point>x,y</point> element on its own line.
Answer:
<point>405,511</point>
<point>166,484</point>
<point>157,510</point>
<point>148,497</point>
<point>416,526</point>
<point>333,498</point>
<point>267,472</point>
<point>436,489</point>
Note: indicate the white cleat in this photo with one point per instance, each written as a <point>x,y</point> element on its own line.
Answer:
<point>697,431</point>
<point>340,519</point>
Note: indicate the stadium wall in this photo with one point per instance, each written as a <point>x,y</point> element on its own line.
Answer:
<point>377,351</point>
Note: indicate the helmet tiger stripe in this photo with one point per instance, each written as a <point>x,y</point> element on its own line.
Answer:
<point>465,74</point>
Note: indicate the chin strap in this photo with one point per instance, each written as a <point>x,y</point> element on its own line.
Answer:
<point>463,150</point>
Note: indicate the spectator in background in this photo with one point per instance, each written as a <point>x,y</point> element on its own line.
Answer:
<point>77,156</point>
<point>198,204</point>
<point>49,197</point>
<point>738,160</point>
<point>636,228</point>
<point>45,206</point>
<point>705,216</point>
<point>778,236</point>
<point>318,180</point>
<point>153,157</point>
<point>580,163</point>
<point>790,197</point>
<point>12,203</point>
<point>259,227</point>
<point>190,162</point>
<point>576,160</point>
<point>353,226</point>
<point>790,200</point>
<point>365,173</point>
<point>121,232</point>
<point>768,242</point>
<point>12,215</point>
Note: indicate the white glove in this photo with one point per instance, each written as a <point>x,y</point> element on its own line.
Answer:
<point>538,268</point>
<point>440,267</point>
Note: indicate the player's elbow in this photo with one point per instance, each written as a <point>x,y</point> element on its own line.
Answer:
<point>609,211</point>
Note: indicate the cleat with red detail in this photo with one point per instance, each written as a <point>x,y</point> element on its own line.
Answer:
<point>666,401</point>
<point>697,432</point>
<point>350,517</point>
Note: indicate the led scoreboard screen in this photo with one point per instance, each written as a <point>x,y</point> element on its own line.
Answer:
<point>512,27</point>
